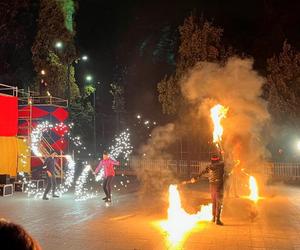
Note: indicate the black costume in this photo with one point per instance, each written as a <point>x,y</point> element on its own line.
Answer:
<point>215,173</point>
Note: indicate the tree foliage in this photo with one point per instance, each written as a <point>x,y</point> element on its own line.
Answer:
<point>56,62</point>
<point>283,85</point>
<point>117,92</point>
<point>199,41</point>
<point>16,23</point>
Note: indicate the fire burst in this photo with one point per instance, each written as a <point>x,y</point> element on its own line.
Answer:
<point>253,189</point>
<point>217,113</point>
<point>179,222</point>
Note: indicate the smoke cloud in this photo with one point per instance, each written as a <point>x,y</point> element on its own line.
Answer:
<point>236,86</point>
<point>153,173</point>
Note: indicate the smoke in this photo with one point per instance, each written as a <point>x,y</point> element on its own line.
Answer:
<point>237,86</point>
<point>153,173</point>
<point>161,138</point>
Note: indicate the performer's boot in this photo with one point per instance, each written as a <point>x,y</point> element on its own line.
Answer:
<point>218,219</point>
<point>213,219</point>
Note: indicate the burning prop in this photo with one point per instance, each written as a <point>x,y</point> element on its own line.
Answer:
<point>217,113</point>
<point>179,222</point>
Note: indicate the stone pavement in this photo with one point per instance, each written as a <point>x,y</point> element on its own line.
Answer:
<point>130,223</point>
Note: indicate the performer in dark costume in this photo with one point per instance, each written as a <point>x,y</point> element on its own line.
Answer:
<point>49,167</point>
<point>215,173</point>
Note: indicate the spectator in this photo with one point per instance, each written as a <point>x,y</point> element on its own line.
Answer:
<point>14,237</point>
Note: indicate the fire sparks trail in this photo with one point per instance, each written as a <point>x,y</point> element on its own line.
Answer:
<point>217,113</point>
<point>253,189</point>
<point>179,222</point>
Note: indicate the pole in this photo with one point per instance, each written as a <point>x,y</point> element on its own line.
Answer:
<point>69,84</point>
<point>94,121</point>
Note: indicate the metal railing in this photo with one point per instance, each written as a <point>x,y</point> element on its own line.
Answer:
<point>8,90</point>
<point>192,168</point>
<point>43,100</point>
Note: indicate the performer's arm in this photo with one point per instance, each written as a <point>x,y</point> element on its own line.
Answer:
<point>98,167</point>
<point>194,179</point>
<point>45,164</point>
<point>205,171</point>
<point>114,162</point>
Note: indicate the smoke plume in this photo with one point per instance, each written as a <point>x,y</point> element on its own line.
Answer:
<point>237,86</point>
<point>153,174</point>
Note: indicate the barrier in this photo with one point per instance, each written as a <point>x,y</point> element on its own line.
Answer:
<point>192,167</point>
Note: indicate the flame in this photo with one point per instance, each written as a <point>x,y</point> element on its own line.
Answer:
<point>217,113</point>
<point>179,222</point>
<point>253,189</point>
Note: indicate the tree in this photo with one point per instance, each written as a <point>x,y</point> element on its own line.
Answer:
<point>16,25</point>
<point>282,90</point>
<point>199,41</point>
<point>81,114</point>
<point>117,91</point>
<point>55,24</point>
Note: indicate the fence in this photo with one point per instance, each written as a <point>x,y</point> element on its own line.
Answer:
<point>191,168</point>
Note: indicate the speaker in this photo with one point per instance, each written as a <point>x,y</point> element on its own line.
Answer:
<point>19,186</point>
<point>4,179</point>
<point>6,190</point>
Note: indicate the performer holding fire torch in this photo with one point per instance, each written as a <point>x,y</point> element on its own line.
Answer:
<point>107,163</point>
<point>215,173</point>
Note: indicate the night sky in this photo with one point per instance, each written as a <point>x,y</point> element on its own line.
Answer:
<point>136,41</point>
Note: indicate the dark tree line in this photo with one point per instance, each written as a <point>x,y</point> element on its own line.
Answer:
<point>201,40</point>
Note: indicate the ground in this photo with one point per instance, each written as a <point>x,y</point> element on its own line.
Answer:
<point>130,223</point>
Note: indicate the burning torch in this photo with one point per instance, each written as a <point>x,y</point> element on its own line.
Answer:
<point>217,113</point>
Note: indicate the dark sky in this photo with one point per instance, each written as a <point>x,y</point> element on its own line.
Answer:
<point>135,41</point>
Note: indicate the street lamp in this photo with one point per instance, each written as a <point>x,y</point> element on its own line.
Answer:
<point>84,58</point>
<point>88,78</point>
<point>58,45</point>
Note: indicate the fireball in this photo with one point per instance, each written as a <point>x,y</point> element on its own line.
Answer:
<point>179,222</point>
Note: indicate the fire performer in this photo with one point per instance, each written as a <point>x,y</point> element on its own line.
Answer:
<point>49,167</point>
<point>107,163</point>
<point>215,173</point>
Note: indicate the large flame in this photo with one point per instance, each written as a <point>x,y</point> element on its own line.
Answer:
<point>253,189</point>
<point>179,222</point>
<point>217,113</point>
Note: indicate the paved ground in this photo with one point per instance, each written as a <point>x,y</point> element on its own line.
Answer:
<point>130,223</point>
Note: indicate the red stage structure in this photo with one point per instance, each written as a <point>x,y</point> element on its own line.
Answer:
<point>20,113</point>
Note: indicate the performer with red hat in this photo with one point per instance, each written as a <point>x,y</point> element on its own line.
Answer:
<point>215,172</point>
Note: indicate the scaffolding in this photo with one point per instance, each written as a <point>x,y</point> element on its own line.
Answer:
<point>27,100</point>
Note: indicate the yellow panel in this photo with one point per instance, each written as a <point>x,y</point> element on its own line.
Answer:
<point>23,156</point>
<point>8,155</point>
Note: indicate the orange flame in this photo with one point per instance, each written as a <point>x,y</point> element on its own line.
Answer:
<point>179,222</point>
<point>253,189</point>
<point>217,113</point>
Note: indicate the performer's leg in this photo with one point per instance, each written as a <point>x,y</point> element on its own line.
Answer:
<point>109,182</point>
<point>48,187</point>
<point>105,187</point>
<point>53,185</point>
<point>213,199</point>
<point>219,203</point>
